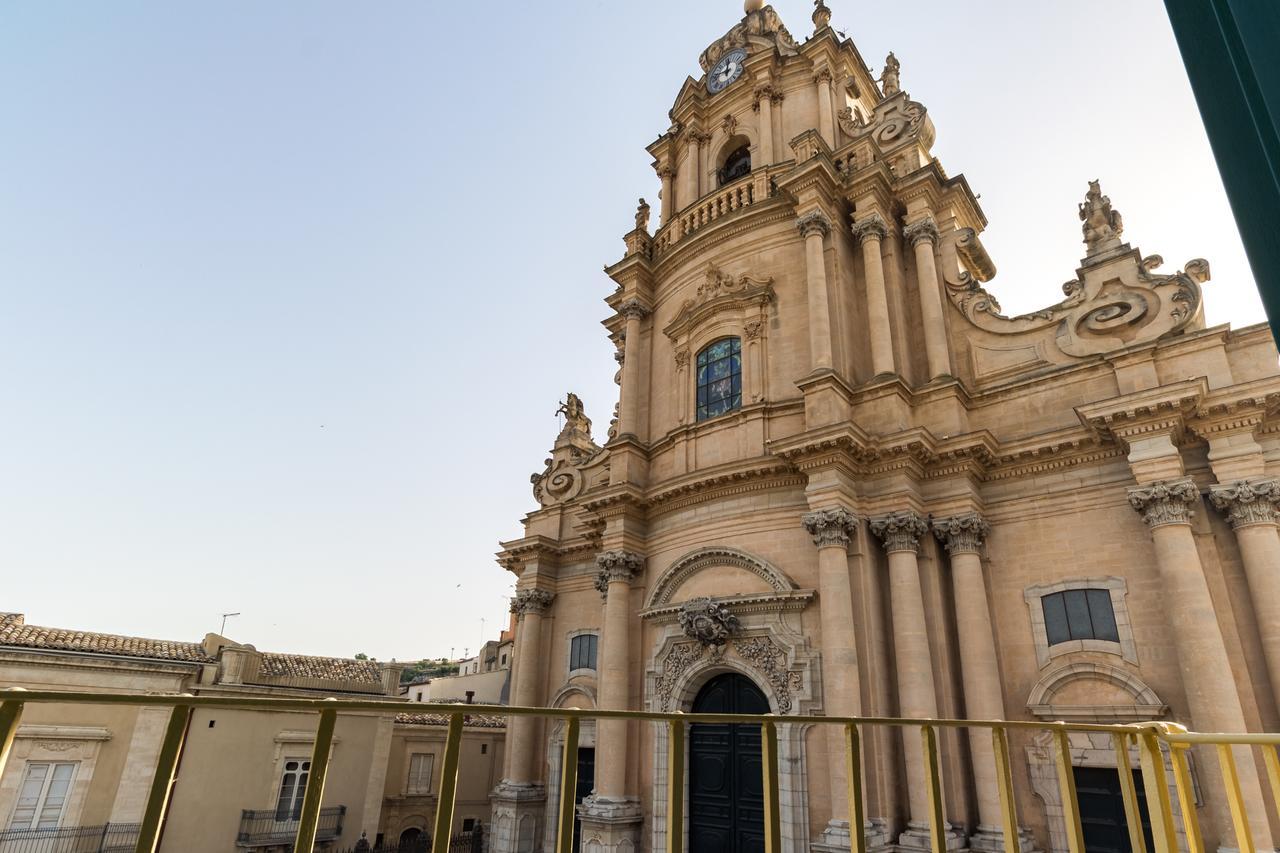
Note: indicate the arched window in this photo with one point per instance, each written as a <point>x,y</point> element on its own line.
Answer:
<point>736,165</point>
<point>719,378</point>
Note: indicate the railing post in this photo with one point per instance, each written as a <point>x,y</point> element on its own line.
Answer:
<point>568,787</point>
<point>10,717</point>
<point>448,786</point>
<point>1187,798</point>
<point>769,770</point>
<point>1159,807</point>
<point>1008,805</point>
<point>1272,759</point>
<point>1239,816</point>
<point>857,819</point>
<point>175,735</point>
<point>933,783</point>
<point>1129,793</point>
<point>675,786</point>
<point>305,840</point>
<point>1067,787</point>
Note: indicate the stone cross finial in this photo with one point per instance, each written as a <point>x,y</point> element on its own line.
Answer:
<point>1247,503</point>
<point>890,79</point>
<point>1165,502</point>
<point>900,531</point>
<point>831,527</point>
<point>962,533</point>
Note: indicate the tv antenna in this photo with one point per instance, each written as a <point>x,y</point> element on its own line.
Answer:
<point>225,616</point>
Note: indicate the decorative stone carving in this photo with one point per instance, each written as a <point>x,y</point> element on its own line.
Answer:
<point>822,75</point>
<point>535,601</point>
<point>821,15</point>
<point>871,227</point>
<point>708,622</point>
<point>634,309</point>
<point>679,658</point>
<point>616,566</point>
<point>752,328</point>
<point>576,421</point>
<point>562,478</point>
<point>682,359</point>
<point>900,531</point>
<point>831,528</point>
<point>1165,502</point>
<point>761,27</point>
<point>601,585</point>
<point>890,79</point>
<point>769,658</point>
<point>1247,503</point>
<point>729,125</point>
<point>1102,226</point>
<point>925,230</point>
<point>814,222</point>
<point>765,92</point>
<point>896,119</point>
<point>642,216</point>
<point>718,292</point>
<point>962,533</point>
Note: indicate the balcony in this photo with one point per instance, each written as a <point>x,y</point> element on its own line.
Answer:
<point>108,838</point>
<point>267,828</point>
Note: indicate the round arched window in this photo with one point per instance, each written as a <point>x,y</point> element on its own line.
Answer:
<point>719,378</point>
<point>736,165</point>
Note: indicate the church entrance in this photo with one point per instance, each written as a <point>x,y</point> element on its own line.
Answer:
<point>726,792</point>
<point>1102,817</point>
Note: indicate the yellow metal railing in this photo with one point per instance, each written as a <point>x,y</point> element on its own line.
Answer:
<point>1151,740</point>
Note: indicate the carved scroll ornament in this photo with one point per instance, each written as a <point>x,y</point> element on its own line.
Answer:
<point>894,120</point>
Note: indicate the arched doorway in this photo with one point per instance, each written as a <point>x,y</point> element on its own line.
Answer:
<point>726,791</point>
<point>413,840</point>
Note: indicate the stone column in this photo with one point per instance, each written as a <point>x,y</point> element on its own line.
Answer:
<point>611,812</point>
<point>901,532</point>
<point>1167,507</point>
<point>1251,508</point>
<point>764,105</point>
<point>832,530</point>
<point>923,235</point>
<point>826,123</point>
<point>963,536</point>
<point>666,173</point>
<point>814,228</point>
<point>870,231</point>
<point>632,368</point>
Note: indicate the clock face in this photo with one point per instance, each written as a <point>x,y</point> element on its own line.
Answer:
<point>728,69</point>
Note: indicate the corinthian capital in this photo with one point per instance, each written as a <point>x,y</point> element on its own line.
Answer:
<point>535,601</point>
<point>1247,503</point>
<point>633,309</point>
<point>831,528</point>
<point>814,222</point>
<point>900,531</point>
<point>922,231</point>
<point>871,227</point>
<point>619,565</point>
<point>962,534</point>
<point>1165,502</point>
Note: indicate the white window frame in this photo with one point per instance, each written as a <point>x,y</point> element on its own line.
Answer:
<point>299,793</point>
<point>42,798</point>
<point>413,783</point>
<point>1127,649</point>
<point>568,653</point>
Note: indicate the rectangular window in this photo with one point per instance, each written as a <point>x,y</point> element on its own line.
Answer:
<point>468,824</point>
<point>1079,614</point>
<point>420,767</point>
<point>293,787</point>
<point>42,798</point>
<point>582,651</point>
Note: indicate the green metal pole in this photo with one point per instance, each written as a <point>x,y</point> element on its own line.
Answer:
<point>316,776</point>
<point>175,736</point>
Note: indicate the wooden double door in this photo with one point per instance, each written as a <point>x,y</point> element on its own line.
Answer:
<point>726,789</point>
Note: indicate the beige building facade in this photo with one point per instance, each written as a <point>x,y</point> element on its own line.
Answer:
<point>840,481</point>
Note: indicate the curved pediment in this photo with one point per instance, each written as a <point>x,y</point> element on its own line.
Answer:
<point>1087,691</point>
<point>737,573</point>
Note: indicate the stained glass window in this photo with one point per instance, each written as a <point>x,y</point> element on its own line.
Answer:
<point>720,378</point>
<point>1079,614</point>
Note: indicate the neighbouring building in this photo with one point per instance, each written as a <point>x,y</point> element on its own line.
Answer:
<point>840,481</point>
<point>484,679</point>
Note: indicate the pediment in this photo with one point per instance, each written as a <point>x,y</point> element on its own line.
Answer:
<point>718,293</point>
<point>1098,692</point>
<point>719,572</point>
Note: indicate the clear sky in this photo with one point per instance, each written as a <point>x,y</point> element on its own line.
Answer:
<point>289,291</point>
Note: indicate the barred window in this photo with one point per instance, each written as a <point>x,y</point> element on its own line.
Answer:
<point>720,378</point>
<point>1079,614</point>
<point>582,651</point>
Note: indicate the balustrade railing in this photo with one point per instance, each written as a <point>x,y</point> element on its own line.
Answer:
<point>741,194</point>
<point>107,838</point>
<point>1152,740</point>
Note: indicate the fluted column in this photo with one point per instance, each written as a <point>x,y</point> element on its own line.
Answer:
<point>923,235</point>
<point>632,364</point>
<point>522,732</point>
<point>841,686</point>
<point>1251,508</point>
<point>826,123</point>
<point>764,96</point>
<point>901,532</point>
<point>814,227</point>
<point>617,569</point>
<point>870,231</point>
<point>1167,507</point>
<point>963,536</point>
<point>666,173</point>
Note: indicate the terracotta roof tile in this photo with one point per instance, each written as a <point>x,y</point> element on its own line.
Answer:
<point>333,669</point>
<point>14,632</point>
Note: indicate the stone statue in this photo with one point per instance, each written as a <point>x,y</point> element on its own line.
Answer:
<point>642,216</point>
<point>1102,225</point>
<point>575,417</point>
<point>890,79</point>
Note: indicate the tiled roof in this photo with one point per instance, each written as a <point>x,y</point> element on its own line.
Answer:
<point>480,721</point>
<point>15,632</point>
<point>332,669</point>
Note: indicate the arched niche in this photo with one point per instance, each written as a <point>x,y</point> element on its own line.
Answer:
<point>1088,691</point>
<point>738,573</point>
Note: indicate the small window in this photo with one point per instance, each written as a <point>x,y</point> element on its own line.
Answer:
<point>420,767</point>
<point>504,660</point>
<point>293,787</point>
<point>582,652</point>
<point>484,749</point>
<point>43,795</point>
<point>1079,614</point>
<point>720,378</point>
<point>468,824</point>
<point>736,165</point>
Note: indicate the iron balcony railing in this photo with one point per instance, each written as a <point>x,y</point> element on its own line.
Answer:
<point>268,827</point>
<point>1151,739</point>
<point>108,838</point>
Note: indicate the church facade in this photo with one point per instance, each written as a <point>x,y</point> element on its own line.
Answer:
<point>840,481</point>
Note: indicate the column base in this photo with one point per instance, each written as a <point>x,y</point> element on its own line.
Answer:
<point>514,826</point>
<point>836,837</point>
<point>608,822</point>
<point>990,839</point>
<point>917,838</point>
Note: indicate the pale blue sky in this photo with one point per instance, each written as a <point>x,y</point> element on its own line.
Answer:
<point>289,291</point>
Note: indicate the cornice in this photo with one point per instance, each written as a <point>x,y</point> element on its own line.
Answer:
<point>768,602</point>
<point>1161,409</point>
